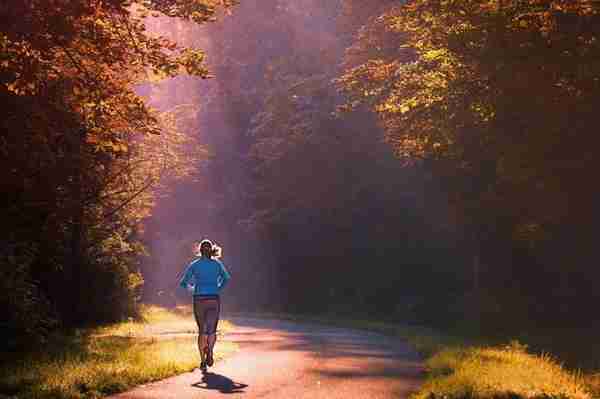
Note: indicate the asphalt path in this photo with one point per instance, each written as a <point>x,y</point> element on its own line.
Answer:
<point>283,359</point>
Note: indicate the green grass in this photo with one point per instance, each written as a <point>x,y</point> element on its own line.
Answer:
<point>496,372</point>
<point>475,367</point>
<point>96,362</point>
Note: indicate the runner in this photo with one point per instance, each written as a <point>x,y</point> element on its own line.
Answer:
<point>206,277</point>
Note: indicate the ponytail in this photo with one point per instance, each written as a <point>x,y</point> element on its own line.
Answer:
<point>210,250</point>
<point>216,251</point>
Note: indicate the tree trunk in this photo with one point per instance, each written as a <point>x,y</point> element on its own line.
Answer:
<point>476,297</point>
<point>476,271</point>
<point>75,254</point>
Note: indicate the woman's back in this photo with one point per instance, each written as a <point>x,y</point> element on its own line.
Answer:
<point>208,276</point>
<point>206,273</point>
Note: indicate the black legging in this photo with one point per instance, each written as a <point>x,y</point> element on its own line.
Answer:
<point>207,309</point>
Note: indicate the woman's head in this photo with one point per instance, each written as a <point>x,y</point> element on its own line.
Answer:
<point>209,250</point>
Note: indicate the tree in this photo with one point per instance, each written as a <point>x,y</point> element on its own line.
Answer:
<point>295,191</point>
<point>84,153</point>
<point>499,100</point>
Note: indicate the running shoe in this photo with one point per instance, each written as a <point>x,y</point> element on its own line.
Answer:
<point>209,357</point>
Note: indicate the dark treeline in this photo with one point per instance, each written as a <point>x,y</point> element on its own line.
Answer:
<point>314,211</point>
<point>500,101</point>
<point>83,156</point>
<point>342,226</point>
<point>405,160</point>
<point>425,161</point>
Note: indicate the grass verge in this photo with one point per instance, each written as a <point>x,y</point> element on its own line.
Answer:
<point>498,372</point>
<point>468,367</point>
<point>96,362</point>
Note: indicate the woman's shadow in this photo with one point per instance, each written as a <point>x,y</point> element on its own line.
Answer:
<point>219,383</point>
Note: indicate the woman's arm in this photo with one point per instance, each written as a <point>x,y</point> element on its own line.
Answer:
<point>223,275</point>
<point>187,276</point>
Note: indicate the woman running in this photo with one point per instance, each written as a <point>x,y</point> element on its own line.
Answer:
<point>206,276</point>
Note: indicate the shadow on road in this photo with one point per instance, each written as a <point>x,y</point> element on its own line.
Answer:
<point>219,383</point>
<point>341,353</point>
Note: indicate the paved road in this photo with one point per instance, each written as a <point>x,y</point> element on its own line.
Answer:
<point>281,359</point>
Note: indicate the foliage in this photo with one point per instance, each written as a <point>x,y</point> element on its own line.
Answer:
<point>27,313</point>
<point>84,155</point>
<point>491,83</point>
<point>291,189</point>
<point>492,192</point>
<point>498,97</point>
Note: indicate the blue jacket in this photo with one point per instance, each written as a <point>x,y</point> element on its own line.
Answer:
<point>206,276</point>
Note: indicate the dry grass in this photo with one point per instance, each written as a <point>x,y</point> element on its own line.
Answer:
<point>592,380</point>
<point>493,372</point>
<point>101,361</point>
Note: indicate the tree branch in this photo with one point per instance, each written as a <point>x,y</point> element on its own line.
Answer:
<point>135,195</point>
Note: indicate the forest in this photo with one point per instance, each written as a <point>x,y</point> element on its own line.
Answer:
<point>425,161</point>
